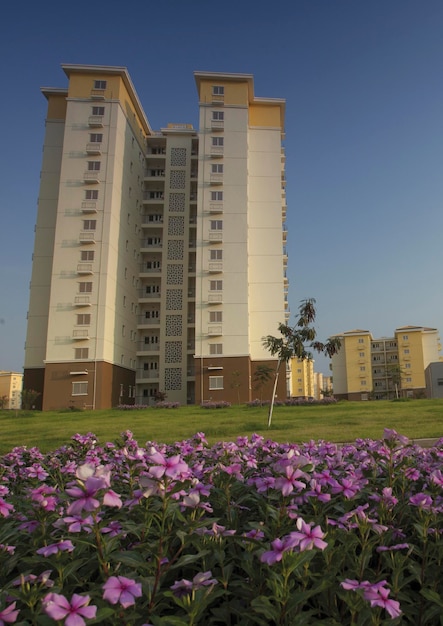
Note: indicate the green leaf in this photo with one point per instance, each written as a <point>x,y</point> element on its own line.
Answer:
<point>102,614</point>
<point>431,595</point>
<point>264,606</point>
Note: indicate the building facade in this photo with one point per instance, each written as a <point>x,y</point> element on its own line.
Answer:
<point>10,389</point>
<point>159,258</point>
<point>386,368</point>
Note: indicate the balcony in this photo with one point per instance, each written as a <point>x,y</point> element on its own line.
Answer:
<point>148,268</point>
<point>94,148</point>
<point>215,331</point>
<point>89,207</point>
<point>80,334</point>
<point>91,177</point>
<point>153,197</point>
<point>155,219</point>
<point>146,375</point>
<point>154,174</point>
<point>87,236</point>
<point>151,243</point>
<point>216,207</point>
<point>147,347</point>
<point>97,94</point>
<point>142,321</point>
<point>217,124</point>
<point>216,151</point>
<point>193,197</point>
<point>82,301</point>
<point>215,298</point>
<point>215,267</point>
<point>215,235</point>
<point>216,179</point>
<point>95,121</point>
<point>84,268</point>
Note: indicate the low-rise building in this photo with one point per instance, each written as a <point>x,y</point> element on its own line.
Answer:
<point>10,389</point>
<point>386,368</point>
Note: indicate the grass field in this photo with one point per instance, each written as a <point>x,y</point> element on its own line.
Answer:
<point>344,421</point>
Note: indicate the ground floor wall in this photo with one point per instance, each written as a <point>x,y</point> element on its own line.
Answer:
<point>80,385</point>
<point>235,380</point>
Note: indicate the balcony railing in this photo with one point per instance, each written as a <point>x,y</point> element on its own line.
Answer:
<point>215,331</point>
<point>96,121</point>
<point>217,124</point>
<point>153,219</point>
<point>146,374</point>
<point>87,236</point>
<point>148,243</point>
<point>216,151</point>
<point>215,235</point>
<point>142,320</point>
<point>216,179</point>
<point>215,298</point>
<point>80,334</point>
<point>91,176</point>
<point>216,207</point>
<point>147,347</point>
<point>84,268</point>
<point>98,94</point>
<point>89,207</point>
<point>215,267</point>
<point>94,148</point>
<point>82,301</point>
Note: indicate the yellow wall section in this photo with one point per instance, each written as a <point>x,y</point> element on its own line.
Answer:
<point>235,92</point>
<point>265,115</point>
<point>81,85</point>
<point>56,107</point>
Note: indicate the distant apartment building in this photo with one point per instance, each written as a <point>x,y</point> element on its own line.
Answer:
<point>160,256</point>
<point>10,389</point>
<point>304,382</point>
<point>367,368</point>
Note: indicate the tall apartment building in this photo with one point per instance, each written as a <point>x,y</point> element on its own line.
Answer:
<point>159,260</point>
<point>367,368</point>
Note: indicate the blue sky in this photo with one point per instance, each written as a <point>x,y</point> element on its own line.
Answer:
<point>364,135</point>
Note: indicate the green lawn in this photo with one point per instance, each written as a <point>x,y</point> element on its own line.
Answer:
<point>340,422</point>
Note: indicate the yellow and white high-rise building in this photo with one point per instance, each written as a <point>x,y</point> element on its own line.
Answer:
<point>159,259</point>
<point>385,368</point>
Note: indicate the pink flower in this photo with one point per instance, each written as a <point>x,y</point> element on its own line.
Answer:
<point>183,587</point>
<point>58,607</point>
<point>173,467</point>
<point>287,483</point>
<point>276,554</point>
<point>379,597</point>
<point>308,537</point>
<point>121,589</point>
<point>5,508</point>
<point>9,615</point>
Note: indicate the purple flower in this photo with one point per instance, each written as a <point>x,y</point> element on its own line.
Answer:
<point>9,615</point>
<point>121,589</point>
<point>184,587</point>
<point>5,508</point>
<point>58,607</point>
<point>54,548</point>
<point>275,555</point>
<point>422,500</point>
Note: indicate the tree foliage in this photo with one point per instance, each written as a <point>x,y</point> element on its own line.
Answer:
<point>298,340</point>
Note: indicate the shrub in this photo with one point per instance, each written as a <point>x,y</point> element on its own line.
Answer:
<point>249,532</point>
<point>215,404</point>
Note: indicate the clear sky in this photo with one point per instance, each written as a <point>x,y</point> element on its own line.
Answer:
<point>364,134</point>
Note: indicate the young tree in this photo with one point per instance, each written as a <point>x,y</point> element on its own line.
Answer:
<point>262,375</point>
<point>295,341</point>
<point>235,383</point>
<point>29,396</point>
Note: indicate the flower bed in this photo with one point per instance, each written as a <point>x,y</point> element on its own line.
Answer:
<point>251,532</point>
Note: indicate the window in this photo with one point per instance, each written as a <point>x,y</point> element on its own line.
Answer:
<point>83,319</point>
<point>85,287</point>
<point>218,141</point>
<point>89,224</point>
<point>406,351</point>
<point>408,380</point>
<point>91,194</point>
<point>94,166</point>
<point>81,353</point>
<point>215,316</point>
<point>405,337</point>
<point>123,330</point>
<point>408,366</point>
<point>361,355</point>
<point>99,84</point>
<point>80,389</point>
<point>363,382</point>
<point>440,382</point>
<point>362,368</point>
<point>217,168</point>
<point>218,90</point>
<point>87,255</point>
<point>216,224</point>
<point>216,382</point>
<point>96,137</point>
<point>216,285</point>
<point>98,110</point>
<point>218,115</point>
<point>216,196</point>
<point>216,255</point>
<point>215,349</point>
